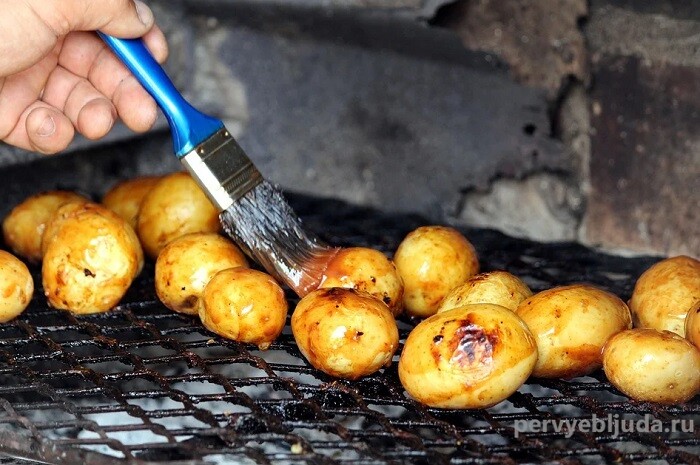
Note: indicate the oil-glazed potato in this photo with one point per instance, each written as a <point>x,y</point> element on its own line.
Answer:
<point>187,264</point>
<point>16,286</point>
<point>433,260</point>
<point>692,325</point>
<point>91,259</point>
<point>571,324</point>
<point>126,197</point>
<point>468,357</point>
<point>174,207</point>
<point>366,270</point>
<point>653,366</point>
<point>24,227</point>
<point>495,287</point>
<point>344,332</point>
<point>244,305</point>
<point>665,293</point>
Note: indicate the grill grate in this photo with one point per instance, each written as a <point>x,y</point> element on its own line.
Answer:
<point>144,385</point>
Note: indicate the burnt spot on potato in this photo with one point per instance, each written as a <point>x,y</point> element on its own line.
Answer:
<point>473,347</point>
<point>89,273</point>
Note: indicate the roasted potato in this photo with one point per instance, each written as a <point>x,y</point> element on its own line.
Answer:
<point>187,264</point>
<point>433,260</point>
<point>244,305</point>
<point>126,197</point>
<point>16,287</point>
<point>571,325</point>
<point>366,270</point>
<point>344,332</point>
<point>665,293</point>
<point>495,287</point>
<point>175,206</point>
<point>468,357</point>
<point>653,366</point>
<point>24,227</point>
<point>92,257</point>
<point>692,325</point>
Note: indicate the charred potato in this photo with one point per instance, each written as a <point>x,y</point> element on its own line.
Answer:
<point>468,357</point>
<point>91,259</point>
<point>125,198</point>
<point>244,305</point>
<point>24,227</point>
<point>366,270</point>
<point>433,260</point>
<point>665,293</point>
<point>175,206</point>
<point>16,287</point>
<point>692,325</point>
<point>187,264</point>
<point>653,366</point>
<point>571,324</point>
<point>344,332</point>
<point>495,287</point>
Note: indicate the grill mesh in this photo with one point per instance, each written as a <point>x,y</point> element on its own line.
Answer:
<point>144,385</point>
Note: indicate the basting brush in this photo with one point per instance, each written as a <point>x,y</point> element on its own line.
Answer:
<point>253,212</point>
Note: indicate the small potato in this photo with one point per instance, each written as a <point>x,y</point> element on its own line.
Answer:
<point>344,332</point>
<point>665,293</point>
<point>125,198</point>
<point>433,260</point>
<point>91,259</point>
<point>653,366</point>
<point>495,287</point>
<point>174,207</point>
<point>244,305</point>
<point>187,264</point>
<point>571,325</point>
<point>366,270</point>
<point>24,227</point>
<point>692,325</point>
<point>16,287</point>
<point>469,357</point>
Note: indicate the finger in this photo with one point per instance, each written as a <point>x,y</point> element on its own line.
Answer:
<point>42,128</point>
<point>135,107</point>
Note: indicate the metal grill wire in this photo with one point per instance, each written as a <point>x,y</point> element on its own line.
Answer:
<point>142,384</point>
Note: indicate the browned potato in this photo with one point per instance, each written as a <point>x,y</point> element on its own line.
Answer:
<point>571,325</point>
<point>187,264</point>
<point>16,287</point>
<point>692,325</point>
<point>366,270</point>
<point>344,332</point>
<point>665,293</point>
<point>126,197</point>
<point>24,227</point>
<point>653,366</point>
<point>92,257</point>
<point>495,287</point>
<point>468,357</point>
<point>174,207</point>
<point>433,260</point>
<point>244,305</point>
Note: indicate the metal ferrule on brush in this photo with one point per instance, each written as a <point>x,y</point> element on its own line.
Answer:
<point>222,169</point>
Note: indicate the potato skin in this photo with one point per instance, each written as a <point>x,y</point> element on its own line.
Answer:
<point>665,293</point>
<point>175,206</point>
<point>24,227</point>
<point>494,287</point>
<point>571,324</point>
<point>692,325</point>
<point>126,197</point>
<point>654,366</point>
<point>344,332</point>
<point>366,270</point>
<point>91,259</point>
<point>244,305</point>
<point>433,260</point>
<point>187,264</point>
<point>16,287</point>
<point>468,357</point>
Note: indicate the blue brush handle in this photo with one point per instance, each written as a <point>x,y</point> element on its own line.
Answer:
<point>189,126</point>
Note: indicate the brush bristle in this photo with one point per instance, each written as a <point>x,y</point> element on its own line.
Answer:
<point>266,227</point>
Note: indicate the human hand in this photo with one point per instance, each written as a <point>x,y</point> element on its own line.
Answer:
<point>57,77</point>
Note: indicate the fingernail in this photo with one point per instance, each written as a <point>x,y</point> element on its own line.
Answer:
<point>47,128</point>
<point>144,12</point>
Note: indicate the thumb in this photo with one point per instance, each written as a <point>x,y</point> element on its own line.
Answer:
<point>120,18</point>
